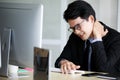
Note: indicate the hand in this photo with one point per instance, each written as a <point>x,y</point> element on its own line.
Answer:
<point>67,66</point>
<point>98,30</point>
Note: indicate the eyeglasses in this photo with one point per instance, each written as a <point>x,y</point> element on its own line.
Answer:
<point>76,27</point>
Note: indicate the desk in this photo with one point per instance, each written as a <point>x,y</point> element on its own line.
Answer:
<point>59,76</point>
<point>21,76</point>
<point>54,76</point>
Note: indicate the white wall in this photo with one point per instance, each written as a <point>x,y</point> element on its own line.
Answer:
<point>106,11</point>
<point>17,1</point>
<point>118,22</point>
<point>55,28</point>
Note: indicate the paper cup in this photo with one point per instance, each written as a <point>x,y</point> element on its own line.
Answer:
<point>12,69</point>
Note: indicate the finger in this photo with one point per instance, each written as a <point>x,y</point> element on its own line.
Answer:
<point>77,67</point>
<point>65,69</point>
<point>63,66</point>
<point>73,66</point>
<point>69,67</point>
<point>105,32</point>
<point>62,70</point>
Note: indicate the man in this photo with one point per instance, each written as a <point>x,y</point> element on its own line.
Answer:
<point>103,53</point>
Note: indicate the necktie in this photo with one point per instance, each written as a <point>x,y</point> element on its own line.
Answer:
<point>89,53</point>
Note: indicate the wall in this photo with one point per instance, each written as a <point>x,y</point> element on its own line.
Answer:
<point>17,1</point>
<point>106,11</point>
<point>54,27</point>
<point>118,22</point>
<point>55,32</point>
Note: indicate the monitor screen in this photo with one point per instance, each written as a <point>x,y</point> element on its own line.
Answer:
<point>25,22</point>
<point>0,51</point>
<point>5,51</point>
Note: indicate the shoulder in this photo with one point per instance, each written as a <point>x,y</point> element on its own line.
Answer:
<point>112,34</point>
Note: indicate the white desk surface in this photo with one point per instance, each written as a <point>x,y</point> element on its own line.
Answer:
<point>22,76</point>
<point>59,76</point>
<point>54,76</point>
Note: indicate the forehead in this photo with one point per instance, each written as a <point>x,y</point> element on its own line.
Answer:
<point>73,22</point>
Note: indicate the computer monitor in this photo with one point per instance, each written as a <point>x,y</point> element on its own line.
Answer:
<point>25,24</point>
<point>0,51</point>
<point>5,51</point>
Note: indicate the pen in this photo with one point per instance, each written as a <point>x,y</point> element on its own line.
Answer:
<point>106,77</point>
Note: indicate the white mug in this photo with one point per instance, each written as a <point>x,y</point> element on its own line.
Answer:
<point>12,69</point>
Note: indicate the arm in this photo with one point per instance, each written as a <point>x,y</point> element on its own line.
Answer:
<point>64,61</point>
<point>106,53</point>
<point>105,59</point>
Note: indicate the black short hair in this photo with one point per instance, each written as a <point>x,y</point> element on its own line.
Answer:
<point>79,8</point>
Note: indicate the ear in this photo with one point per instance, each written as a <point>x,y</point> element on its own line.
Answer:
<point>91,18</point>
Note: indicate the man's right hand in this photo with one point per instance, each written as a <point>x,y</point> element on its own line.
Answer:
<point>66,66</point>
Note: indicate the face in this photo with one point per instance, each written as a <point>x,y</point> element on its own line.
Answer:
<point>81,27</point>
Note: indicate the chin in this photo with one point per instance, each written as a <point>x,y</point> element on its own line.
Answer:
<point>84,39</point>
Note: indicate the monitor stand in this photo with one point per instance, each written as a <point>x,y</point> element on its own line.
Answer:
<point>5,51</point>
